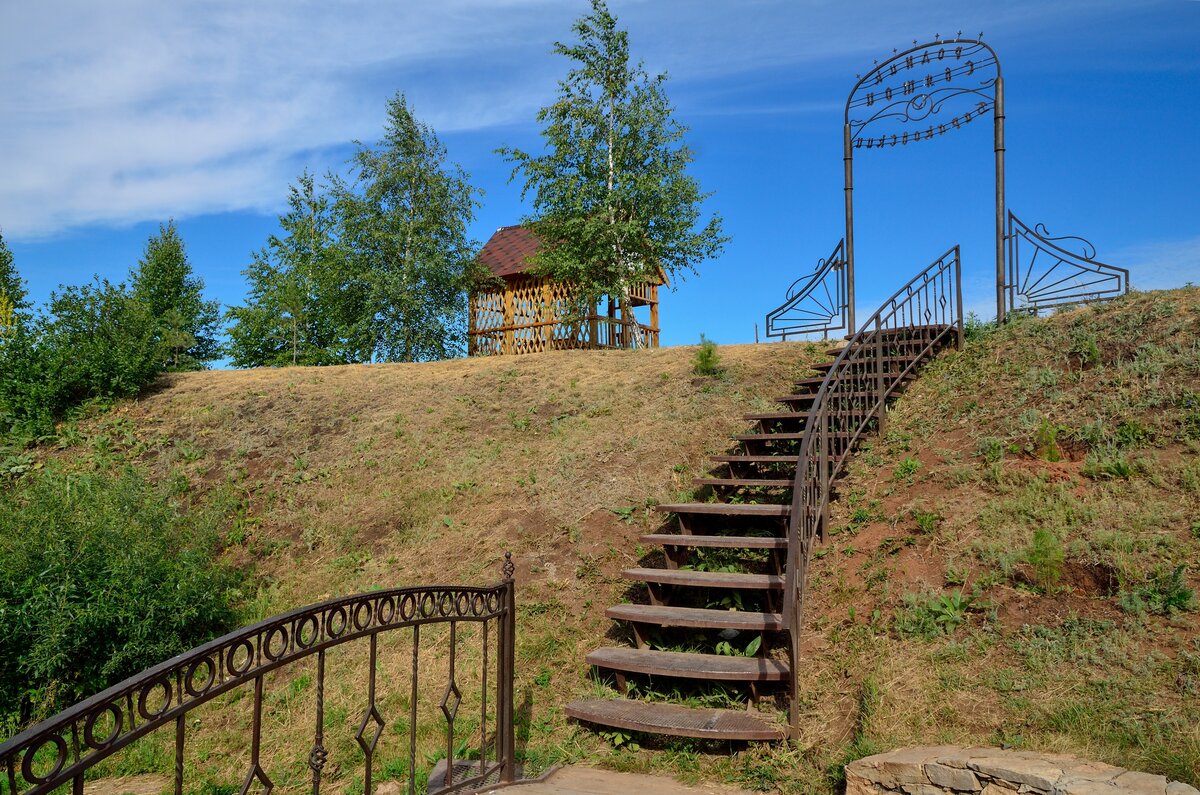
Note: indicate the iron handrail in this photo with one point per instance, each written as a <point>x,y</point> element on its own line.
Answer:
<point>828,312</point>
<point>860,382</point>
<point>165,693</point>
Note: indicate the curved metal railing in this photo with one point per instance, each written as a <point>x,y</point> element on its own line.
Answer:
<point>814,303</point>
<point>61,749</point>
<point>1043,272</point>
<point>918,319</point>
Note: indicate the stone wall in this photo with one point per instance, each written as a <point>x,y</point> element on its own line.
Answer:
<point>953,770</point>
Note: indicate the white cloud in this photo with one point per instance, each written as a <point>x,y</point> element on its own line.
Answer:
<point>129,110</point>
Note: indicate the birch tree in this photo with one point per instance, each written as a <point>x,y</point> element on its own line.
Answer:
<point>613,204</point>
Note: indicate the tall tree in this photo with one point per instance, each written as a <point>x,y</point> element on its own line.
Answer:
<point>613,204</point>
<point>306,304</point>
<point>163,281</point>
<point>403,227</point>
<point>12,293</point>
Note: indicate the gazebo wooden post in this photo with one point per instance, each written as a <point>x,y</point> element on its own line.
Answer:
<point>509,320</point>
<point>652,292</point>
<point>549,316</point>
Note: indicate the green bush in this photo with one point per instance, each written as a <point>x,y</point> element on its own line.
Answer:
<point>101,576</point>
<point>706,361</point>
<point>1161,592</point>
<point>96,341</point>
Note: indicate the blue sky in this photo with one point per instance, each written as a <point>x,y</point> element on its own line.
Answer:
<point>120,115</point>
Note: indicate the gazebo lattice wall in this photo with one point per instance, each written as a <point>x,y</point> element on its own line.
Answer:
<point>531,314</point>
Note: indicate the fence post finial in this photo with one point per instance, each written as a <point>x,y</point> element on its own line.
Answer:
<point>509,568</point>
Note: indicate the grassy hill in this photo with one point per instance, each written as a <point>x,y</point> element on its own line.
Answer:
<point>1012,563</point>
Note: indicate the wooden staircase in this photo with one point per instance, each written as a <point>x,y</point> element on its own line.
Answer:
<point>726,605</point>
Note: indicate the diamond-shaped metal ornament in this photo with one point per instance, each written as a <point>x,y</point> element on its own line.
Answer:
<point>318,757</point>
<point>266,786</point>
<point>451,712</point>
<point>371,716</point>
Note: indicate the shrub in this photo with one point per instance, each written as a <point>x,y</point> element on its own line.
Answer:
<point>100,577</point>
<point>1162,593</point>
<point>1045,554</point>
<point>706,361</point>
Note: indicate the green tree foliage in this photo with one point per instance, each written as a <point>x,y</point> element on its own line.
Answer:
<point>402,224</point>
<point>306,304</point>
<point>101,576</point>
<point>12,294</point>
<point>613,203</point>
<point>95,341</point>
<point>174,296</point>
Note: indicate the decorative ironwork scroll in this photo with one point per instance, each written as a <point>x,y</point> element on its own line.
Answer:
<point>61,749</point>
<point>1045,271</point>
<point>939,86</point>
<point>814,303</point>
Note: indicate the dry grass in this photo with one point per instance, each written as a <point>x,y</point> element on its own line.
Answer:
<point>352,478</point>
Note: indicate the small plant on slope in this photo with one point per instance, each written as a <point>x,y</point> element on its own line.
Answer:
<point>706,361</point>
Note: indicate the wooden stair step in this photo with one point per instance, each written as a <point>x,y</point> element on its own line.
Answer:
<point>715,542</point>
<point>733,483</point>
<point>725,509</point>
<point>706,579</point>
<point>756,459</point>
<point>803,415</point>
<point>696,617</point>
<point>688,665</point>
<point>906,360</point>
<point>889,377</point>
<point>779,437</point>
<point>810,395</point>
<point>717,724</point>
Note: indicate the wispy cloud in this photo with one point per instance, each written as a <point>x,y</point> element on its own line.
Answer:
<point>1161,264</point>
<point>130,110</point>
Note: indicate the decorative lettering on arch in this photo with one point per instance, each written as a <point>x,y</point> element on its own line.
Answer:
<point>919,88</point>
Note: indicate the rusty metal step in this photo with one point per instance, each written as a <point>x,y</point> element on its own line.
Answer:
<point>706,579</point>
<point>696,617</point>
<point>715,542</point>
<point>716,724</point>
<point>733,483</point>
<point>686,665</point>
<point>726,509</point>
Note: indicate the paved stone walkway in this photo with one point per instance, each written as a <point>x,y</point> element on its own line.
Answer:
<point>590,781</point>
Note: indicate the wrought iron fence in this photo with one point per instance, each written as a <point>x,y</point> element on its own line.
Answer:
<point>61,749</point>
<point>814,303</point>
<point>923,315</point>
<point>1045,272</point>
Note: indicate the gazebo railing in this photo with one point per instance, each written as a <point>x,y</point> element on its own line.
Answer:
<point>60,750</point>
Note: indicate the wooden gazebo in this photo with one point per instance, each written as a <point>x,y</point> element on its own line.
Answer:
<point>525,313</point>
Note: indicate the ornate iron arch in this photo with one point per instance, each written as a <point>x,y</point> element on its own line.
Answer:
<point>915,95</point>
<point>941,86</point>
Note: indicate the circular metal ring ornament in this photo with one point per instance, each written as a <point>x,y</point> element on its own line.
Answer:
<point>60,760</point>
<point>307,631</point>
<point>336,621</point>
<point>362,615</point>
<point>387,610</point>
<point>280,634</point>
<point>189,678</point>
<point>231,658</point>
<point>144,697</point>
<point>408,607</point>
<point>89,727</point>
